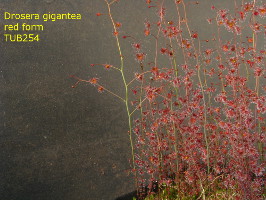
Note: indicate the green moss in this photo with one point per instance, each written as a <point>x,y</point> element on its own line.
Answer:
<point>172,194</point>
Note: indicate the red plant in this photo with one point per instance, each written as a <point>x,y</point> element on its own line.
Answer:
<point>199,120</point>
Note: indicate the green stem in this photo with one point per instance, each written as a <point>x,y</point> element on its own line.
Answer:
<point>125,86</point>
<point>205,122</point>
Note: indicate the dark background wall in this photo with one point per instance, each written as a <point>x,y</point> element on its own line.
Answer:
<point>57,142</point>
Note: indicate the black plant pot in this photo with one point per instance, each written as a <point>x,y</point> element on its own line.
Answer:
<point>142,193</point>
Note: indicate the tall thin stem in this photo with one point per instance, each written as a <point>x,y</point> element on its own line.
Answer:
<point>125,86</point>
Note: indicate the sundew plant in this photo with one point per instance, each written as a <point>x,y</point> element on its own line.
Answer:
<point>195,106</point>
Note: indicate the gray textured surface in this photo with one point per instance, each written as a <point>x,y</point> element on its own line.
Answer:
<point>57,142</point>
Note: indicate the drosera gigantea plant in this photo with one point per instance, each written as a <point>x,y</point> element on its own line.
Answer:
<point>199,111</point>
<point>120,69</point>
